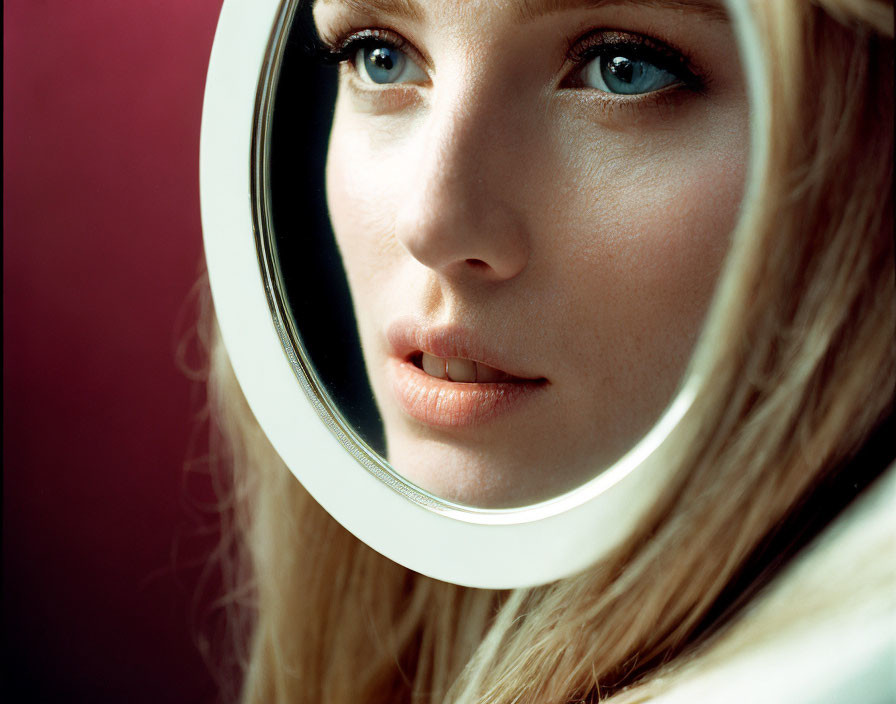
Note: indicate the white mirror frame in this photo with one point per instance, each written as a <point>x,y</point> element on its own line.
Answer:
<point>495,549</point>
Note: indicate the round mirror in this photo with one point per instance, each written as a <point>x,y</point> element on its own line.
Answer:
<point>483,245</point>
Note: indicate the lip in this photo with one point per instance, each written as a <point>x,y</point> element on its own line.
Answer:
<point>407,338</point>
<point>444,403</point>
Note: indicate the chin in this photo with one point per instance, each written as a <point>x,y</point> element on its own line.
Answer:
<point>484,475</point>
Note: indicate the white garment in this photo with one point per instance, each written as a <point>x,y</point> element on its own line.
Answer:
<point>824,632</point>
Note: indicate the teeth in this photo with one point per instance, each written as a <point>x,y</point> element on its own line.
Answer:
<point>461,370</point>
<point>434,366</point>
<point>486,373</point>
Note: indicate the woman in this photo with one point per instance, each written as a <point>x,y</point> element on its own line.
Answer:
<point>704,596</point>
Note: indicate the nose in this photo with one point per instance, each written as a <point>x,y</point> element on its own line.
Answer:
<point>465,216</point>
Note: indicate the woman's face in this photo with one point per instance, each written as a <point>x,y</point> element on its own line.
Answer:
<point>533,199</point>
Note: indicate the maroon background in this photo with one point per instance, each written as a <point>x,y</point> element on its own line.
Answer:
<point>102,542</point>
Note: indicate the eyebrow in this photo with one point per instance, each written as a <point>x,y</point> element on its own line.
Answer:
<point>405,9</point>
<point>529,10</point>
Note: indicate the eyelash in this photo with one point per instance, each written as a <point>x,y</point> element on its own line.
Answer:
<point>601,42</point>
<point>591,46</point>
<point>344,49</point>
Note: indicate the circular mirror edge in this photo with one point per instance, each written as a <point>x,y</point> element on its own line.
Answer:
<point>317,395</point>
<point>323,404</point>
<point>499,537</point>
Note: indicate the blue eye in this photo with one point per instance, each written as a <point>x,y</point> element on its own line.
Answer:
<point>625,75</point>
<point>381,63</point>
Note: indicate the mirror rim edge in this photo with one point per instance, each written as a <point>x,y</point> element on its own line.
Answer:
<point>554,511</point>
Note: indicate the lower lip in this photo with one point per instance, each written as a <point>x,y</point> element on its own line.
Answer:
<point>449,404</point>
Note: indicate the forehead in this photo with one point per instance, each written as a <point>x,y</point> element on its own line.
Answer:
<point>520,11</point>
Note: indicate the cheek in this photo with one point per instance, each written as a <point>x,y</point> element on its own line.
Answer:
<point>362,207</point>
<point>686,238</point>
<point>647,244</point>
<point>683,224</point>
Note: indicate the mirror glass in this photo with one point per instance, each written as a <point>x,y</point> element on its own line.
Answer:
<point>493,230</point>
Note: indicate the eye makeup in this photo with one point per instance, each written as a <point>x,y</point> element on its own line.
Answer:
<point>345,48</point>
<point>623,67</point>
<point>604,44</point>
<point>596,45</point>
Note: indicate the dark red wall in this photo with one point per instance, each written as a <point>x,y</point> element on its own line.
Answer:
<point>102,544</point>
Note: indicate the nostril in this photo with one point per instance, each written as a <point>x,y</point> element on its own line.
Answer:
<point>477,264</point>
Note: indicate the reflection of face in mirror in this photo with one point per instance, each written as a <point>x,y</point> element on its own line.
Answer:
<point>533,201</point>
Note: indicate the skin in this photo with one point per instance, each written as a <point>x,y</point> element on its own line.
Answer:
<point>576,233</point>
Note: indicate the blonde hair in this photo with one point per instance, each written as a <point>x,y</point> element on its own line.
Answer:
<point>799,348</point>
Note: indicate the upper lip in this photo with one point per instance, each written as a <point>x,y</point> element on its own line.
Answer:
<point>407,338</point>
